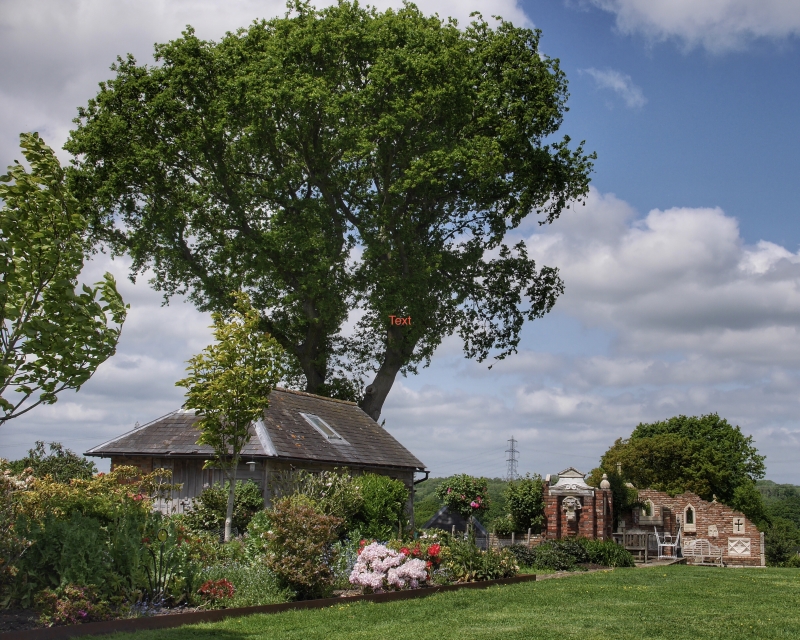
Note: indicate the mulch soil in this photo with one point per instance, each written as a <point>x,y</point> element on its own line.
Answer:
<point>18,619</point>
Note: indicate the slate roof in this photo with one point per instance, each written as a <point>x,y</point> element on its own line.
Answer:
<point>284,433</point>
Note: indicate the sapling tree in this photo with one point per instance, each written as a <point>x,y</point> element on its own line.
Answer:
<point>54,333</point>
<point>228,386</point>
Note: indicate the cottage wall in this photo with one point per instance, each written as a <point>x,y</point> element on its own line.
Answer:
<point>737,536</point>
<point>192,478</point>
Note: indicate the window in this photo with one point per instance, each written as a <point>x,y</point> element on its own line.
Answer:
<point>323,427</point>
<point>649,509</point>
<point>689,519</point>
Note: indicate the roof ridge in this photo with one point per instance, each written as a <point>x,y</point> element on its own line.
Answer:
<point>314,395</point>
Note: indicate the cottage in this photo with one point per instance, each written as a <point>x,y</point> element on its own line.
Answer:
<point>299,431</point>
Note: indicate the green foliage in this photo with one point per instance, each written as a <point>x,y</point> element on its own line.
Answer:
<point>704,454</point>
<point>299,543</point>
<point>61,464</point>
<point>525,500</point>
<point>383,506</point>
<point>208,510</point>
<point>781,542</point>
<point>747,499</point>
<point>464,495</point>
<point>71,604</point>
<point>254,584</point>
<point>422,142</point>
<point>334,493</point>
<point>53,332</point>
<point>568,554</point>
<point>464,562</point>
<point>780,500</point>
<point>229,384</point>
<point>624,498</point>
<point>504,526</point>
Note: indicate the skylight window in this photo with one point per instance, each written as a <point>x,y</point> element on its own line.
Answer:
<point>323,427</point>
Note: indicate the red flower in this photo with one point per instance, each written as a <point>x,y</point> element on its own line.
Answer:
<point>415,552</point>
<point>429,564</point>
<point>434,550</point>
<point>405,551</point>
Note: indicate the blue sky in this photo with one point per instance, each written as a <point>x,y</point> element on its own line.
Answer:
<point>682,272</point>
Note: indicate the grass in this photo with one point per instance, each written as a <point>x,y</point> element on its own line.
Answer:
<point>670,602</point>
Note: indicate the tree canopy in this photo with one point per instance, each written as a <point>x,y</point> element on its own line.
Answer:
<point>702,454</point>
<point>54,333</point>
<point>340,161</point>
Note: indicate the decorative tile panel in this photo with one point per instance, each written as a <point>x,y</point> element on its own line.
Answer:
<point>738,546</point>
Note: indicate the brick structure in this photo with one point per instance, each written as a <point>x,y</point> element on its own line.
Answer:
<point>740,540</point>
<point>574,509</point>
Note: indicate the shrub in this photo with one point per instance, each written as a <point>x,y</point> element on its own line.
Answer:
<point>12,544</point>
<point>216,592</point>
<point>71,604</point>
<point>382,508</point>
<point>780,541</point>
<point>253,583</point>
<point>464,495</point>
<point>550,555</point>
<point>525,556</point>
<point>208,510</point>
<point>335,493</point>
<point>607,553</point>
<point>464,562</point>
<point>525,502</point>
<point>61,464</point>
<point>379,568</point>
<point>299,546</point>
<point>504,526</point>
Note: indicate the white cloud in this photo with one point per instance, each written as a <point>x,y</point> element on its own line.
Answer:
<point>620,84</point>
<point>55,52</point>
<point>717,25</point>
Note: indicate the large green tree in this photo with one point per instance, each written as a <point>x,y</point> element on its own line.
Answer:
<point>228,386</point>
<point>338,160</point>
<point>702,454</point>
<point>54,333</point>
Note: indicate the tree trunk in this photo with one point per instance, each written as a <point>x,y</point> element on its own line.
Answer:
<point>231,495</point>
<point>398,351</point>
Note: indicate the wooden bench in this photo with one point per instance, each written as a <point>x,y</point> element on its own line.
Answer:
<point>702,552</point>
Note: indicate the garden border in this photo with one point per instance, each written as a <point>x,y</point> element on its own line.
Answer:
<point>179,619</point>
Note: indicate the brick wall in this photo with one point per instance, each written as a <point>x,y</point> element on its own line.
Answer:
<point>593,520</point>
<point>145,465</point>
<point>736,535</point>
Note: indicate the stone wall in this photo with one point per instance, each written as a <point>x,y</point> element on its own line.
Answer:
<point>739,539</point>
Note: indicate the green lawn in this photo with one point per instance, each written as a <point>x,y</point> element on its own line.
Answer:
<point>674,602</point>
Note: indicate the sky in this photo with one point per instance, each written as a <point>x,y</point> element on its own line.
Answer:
<point>682,271</point>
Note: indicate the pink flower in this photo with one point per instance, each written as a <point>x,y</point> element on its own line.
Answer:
<point>449,490</point>
<point>474,504</point>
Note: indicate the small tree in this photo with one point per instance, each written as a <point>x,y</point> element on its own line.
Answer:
<point>229,385</point>
<point>465,495</point>
<point>525,500</point>
<point>61,464</point>
<point>53,333</point>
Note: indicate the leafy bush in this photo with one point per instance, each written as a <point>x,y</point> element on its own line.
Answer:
<point>71,604</point>
<point>12,544</point>
<point>216,592</point>
<point>525,503</point>
<point>567,554</point>
<point>464,562</point>
<point>61,464</point>
<point>607,553</point>
<point>464,495</point>
<point>504,526</point>
<point>300,549</point>
<point>382,508</point>
<point>525,556</point>
<point>208,510</point>
<point>780,542</point>
<point>254,584</point>
<point>334,493</point>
